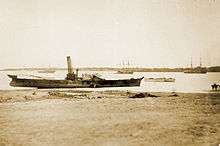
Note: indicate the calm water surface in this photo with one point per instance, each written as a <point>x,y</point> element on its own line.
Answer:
<point>184,82</point>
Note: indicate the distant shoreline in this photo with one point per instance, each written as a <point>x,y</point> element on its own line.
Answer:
<point>134,69</point>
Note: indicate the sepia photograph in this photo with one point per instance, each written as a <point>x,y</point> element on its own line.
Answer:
<point>109,72</point>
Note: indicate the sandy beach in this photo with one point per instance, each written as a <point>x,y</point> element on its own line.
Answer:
<point>108,118</point>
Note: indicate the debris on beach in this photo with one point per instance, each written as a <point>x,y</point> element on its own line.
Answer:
<point>139,95</point>
<point>5,99</point>
<point>151,95</point>
<point>34,93</point>
<point>25,97</point>
<point>92,95</point>
<point>173,95</point>
<point>143,95</point>
<point>59,94</point>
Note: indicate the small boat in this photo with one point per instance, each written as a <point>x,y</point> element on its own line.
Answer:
<point>73,81</point>
<point>159,79</point>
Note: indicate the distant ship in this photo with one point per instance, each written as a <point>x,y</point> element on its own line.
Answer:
<point>159,79</point>
<point>73,81</point>
<point>125,70</point>
<point>196,70</point>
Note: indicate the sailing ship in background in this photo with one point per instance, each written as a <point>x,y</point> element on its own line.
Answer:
<point>125,70</point>
<point>196,70</point>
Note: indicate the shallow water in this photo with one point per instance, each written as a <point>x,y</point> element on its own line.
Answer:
<point>184,82</point>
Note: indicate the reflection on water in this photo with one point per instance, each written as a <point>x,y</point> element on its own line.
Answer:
<point>183,83</point>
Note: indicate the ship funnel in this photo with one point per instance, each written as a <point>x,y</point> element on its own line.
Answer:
<point>69,65</point>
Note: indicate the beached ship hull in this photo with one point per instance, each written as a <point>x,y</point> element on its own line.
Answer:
<point>51,83</point>
<point>73,81</point>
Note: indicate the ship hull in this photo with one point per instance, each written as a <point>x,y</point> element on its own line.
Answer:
<point>49,83</point>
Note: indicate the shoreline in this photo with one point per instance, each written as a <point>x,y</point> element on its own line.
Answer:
<point>74,117</point>
<point>23,95</point>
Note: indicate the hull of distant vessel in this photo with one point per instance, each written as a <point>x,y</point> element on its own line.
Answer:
<point>191,71</point>
<point>49,83</point>
<point>124,72</point>
<point>196,70</point>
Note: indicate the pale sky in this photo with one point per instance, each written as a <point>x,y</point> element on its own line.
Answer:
<point>149,33</point>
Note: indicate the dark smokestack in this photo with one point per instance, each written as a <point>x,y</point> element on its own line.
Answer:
<point>69,65</point>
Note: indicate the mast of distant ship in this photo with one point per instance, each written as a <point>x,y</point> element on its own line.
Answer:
<point>191,63</point>
<point>200,63</point>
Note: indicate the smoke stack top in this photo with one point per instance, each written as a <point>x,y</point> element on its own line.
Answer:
<point>69,65</point>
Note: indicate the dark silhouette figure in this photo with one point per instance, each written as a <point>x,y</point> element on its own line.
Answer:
<point>215,86</point>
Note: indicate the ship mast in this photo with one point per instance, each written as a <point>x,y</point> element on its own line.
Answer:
<point>191,63</point>
<point>200,63</point>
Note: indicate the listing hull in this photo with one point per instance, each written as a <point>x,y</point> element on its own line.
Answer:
<point>50,83</point>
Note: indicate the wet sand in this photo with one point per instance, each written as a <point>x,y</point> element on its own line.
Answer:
<point>112,118</point>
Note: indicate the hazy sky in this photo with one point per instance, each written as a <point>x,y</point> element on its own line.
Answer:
<point>151,33</point>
